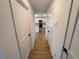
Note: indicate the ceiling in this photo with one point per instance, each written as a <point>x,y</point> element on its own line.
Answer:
<point>40,6</point>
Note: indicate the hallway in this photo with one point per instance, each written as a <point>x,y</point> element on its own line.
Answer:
<point>21,36</point>
<point>41,49</point>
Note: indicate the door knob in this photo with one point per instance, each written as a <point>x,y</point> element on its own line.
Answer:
<point>29,34</point>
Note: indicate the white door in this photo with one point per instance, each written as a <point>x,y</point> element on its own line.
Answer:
<point>74,44</point>
<point>71,27</point>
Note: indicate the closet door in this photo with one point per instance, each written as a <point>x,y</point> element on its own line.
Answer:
<point>21,19</point>
<point>74,44</point>
<point>72,21</point>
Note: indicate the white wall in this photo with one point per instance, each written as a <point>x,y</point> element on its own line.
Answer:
<point>49,30</point>
<point>59,11</point>
<point>36,24</point>
<point>24,26</point>
<point>8,42</point>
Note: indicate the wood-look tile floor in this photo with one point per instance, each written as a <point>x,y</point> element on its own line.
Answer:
<point>41,49</point>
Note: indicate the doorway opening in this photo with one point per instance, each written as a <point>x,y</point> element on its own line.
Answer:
<point>40,23</point>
